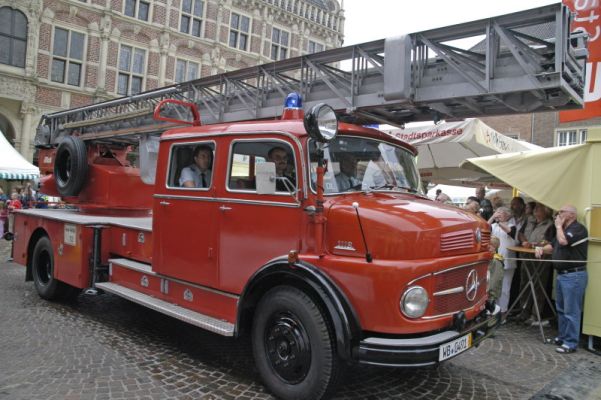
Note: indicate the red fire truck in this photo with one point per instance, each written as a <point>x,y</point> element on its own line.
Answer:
<point>308,233</point>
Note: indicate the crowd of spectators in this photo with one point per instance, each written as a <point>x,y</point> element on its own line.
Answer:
<point>532,226</point>
<point>20,197</point>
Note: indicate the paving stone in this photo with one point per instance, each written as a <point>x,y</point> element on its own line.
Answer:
<point>107,348</point>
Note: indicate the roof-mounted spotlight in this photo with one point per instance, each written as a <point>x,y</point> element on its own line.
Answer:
<point>321,123</point>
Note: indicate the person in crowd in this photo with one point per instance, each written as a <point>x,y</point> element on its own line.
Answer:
<point>279,156</point>
<point>13,204</point>
<point>3,219</point>
<point>28,196</point>
<point>495,269</point>
<point>497,202</point>
<point>518,207</point>
<point>3,197</point>
<point>480,193</point>
<point>570,244</point>
<point>486,210</point>
<point>529,212</point>
<point>501,227</point>
<point>535,234</point>
<point>347,178</point>
<point>198,174</point>
<point>472,206</point>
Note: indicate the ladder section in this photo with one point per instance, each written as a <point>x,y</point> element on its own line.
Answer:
<point>522,62</point>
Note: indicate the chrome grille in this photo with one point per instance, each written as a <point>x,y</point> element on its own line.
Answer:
<point>455,278</point>
<point>458,240</point>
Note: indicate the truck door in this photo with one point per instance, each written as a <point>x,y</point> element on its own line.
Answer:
<point>184,215</point>
<point>256,228</point>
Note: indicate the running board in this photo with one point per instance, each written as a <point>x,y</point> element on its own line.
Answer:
<point>192,317</point>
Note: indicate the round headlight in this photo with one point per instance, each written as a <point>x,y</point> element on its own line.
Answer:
<point>321,123</point>
<point>414,302</point>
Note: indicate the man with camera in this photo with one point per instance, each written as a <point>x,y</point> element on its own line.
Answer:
<point>569,253</point>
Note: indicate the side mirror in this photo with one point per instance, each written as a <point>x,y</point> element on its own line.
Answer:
<point>265,177</point>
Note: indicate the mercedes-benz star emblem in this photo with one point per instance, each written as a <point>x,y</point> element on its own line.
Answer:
<point>471,285</point>
<point>478,235</point>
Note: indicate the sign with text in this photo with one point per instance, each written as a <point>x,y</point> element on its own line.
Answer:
<point>588,19</point>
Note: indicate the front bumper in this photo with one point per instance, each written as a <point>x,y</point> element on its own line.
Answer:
<point>423,351</point>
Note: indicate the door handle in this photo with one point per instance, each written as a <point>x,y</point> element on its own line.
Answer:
<point>165,203</point>
<point>225,208</point>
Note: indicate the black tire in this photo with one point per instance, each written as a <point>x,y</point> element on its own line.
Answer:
<point>42,268</point>
<point>293,346</point>
<point>70,166</point>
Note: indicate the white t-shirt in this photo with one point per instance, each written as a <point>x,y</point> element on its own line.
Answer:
<point>505,241</point>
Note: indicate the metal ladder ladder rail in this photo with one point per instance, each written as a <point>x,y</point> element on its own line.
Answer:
<point>525,63</point>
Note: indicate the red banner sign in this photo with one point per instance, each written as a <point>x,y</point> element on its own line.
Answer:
<point>588,19</point>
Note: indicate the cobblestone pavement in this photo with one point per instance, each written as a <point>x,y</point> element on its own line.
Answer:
<point>108,348</point>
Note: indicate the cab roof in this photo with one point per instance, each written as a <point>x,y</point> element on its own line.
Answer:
<point>294,127</point>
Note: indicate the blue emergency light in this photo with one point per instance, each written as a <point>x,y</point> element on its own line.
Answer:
<point>293,101</point>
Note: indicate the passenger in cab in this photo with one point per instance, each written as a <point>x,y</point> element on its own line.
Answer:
<point>198,174</point>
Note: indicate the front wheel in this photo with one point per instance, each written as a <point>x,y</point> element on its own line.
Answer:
<point>293,345</point>
<point>42,268</point>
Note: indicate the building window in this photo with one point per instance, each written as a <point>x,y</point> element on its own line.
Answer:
<point>279,44</point>
<point>131,70</point>
<point>137,9</point>
<point>13,37</point>
<point>239,28</point>
<point>570,137</point>
<point>67,56</point>
<point>186,70</point>
<point>191,20</point>
<point>314,47</point>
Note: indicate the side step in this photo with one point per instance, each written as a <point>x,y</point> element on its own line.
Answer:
<point>192,317</point>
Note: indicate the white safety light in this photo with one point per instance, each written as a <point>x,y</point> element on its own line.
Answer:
<point>321,123</point>
<point>414,302</point>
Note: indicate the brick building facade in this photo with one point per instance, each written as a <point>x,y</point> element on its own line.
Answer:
<point>58,54</point>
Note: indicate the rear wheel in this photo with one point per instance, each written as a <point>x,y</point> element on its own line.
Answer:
<point>42,268</point>
<point>293,345</point>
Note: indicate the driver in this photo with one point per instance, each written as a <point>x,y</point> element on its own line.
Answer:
<point>347,178</point>
<point>279,156</point>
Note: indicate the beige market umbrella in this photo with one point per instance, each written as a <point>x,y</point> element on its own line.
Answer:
<point>444,146</point>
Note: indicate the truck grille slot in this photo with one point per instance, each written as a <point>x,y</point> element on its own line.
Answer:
<point>485,239</point>
<point>453,278</point>
<point>451,241</point>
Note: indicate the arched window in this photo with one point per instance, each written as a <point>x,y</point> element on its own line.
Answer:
<point>13,37</point>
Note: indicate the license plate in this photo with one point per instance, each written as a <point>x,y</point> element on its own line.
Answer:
<point>455,347</point>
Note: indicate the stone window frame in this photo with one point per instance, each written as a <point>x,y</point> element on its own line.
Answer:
<point>130,73</point>
<point>312,46</point>
<point>68,59</point>
<point>278,47</point>
<point>192,17</point>
<point>136,13</point>
<point>238,32</point>
<point>12,38</point>
<point>186,71</point>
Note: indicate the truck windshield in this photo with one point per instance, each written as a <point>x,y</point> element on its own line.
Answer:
<point>363,164</point>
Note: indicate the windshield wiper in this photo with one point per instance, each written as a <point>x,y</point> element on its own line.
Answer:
<point>391,186</point>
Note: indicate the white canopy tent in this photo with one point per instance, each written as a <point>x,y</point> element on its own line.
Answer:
<point>443,147</point>
<point>12,164</point>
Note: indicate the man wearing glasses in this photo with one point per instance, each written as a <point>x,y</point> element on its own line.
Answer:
<point>569,245</point>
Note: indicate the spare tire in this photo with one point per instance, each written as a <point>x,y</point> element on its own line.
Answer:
<point>70,166</point>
